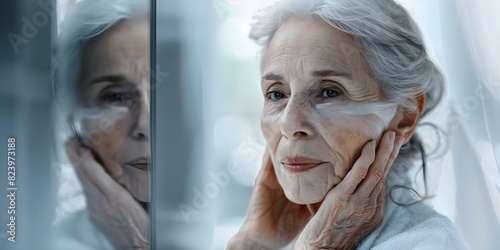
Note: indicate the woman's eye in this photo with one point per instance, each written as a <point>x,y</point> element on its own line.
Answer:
<point>275,95</point>
<point>330,93</point>
<point>115,98</point>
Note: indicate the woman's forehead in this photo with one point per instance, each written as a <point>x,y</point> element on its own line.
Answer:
<point>306,48</point>
<point>123,50</point>
<point>311,41</point>
<point>309,53</point>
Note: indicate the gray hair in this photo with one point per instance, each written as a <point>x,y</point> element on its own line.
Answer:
<point>392,46</point>
<point>85,21</point>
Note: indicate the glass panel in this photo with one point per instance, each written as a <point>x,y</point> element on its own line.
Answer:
<point>102,88</point>
<point>183,216</point>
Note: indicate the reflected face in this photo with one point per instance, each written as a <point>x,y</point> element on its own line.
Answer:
<point>114,81</point>
<point>321,107</point>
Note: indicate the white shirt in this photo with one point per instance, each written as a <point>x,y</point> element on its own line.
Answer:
<point>75,231</point>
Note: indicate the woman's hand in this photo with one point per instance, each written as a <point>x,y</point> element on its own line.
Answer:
<point>111,207</point>
<point>272,221</point>
<point>355,207</point>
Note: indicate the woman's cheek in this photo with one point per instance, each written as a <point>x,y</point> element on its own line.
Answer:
<point>344,140</point>
<point>269,126</point>
<point>272,144</point>
<point>108,151</point>
<point>108,143</point>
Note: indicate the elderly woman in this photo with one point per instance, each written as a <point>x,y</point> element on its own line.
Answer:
<point>345,84</point>
<point>103,88</point>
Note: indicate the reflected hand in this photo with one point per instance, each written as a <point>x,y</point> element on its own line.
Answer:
<point>272,221</point>
<point>355,207</point>
<point>111,207</point>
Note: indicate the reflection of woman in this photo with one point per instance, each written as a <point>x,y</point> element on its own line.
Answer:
<point>345,84</point>
<point>103,84</point>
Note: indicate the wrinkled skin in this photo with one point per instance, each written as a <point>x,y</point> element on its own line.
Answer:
<point>338,202</point>
<point>114,80</point>
<point>354,208</point>
<point>349,212</point>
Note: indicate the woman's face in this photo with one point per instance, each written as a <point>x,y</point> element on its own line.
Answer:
<point>321,107</point>
<point>114,81</point>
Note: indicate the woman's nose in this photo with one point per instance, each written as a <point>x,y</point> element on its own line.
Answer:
<point>295,121</point>
<point>140,129</point>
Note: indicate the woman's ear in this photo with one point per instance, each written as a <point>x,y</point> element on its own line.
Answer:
<point>405,121</point>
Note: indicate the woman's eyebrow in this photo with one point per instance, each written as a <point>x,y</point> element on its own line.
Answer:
<point>325,73</point>
<point>317,73</point>
<point>109,78</point>
<point>272,77</point>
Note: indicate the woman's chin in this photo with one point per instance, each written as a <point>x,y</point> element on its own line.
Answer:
<point>139,193</point>
<point>142,197</point>
<point>304,197</point>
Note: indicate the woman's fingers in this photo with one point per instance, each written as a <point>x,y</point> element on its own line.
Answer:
<point>74,152</point>
<point>91,173</point>
<point>358,171</point>
<point>266,175</point>
<point>377,200</point>
<point>378,167</point>
<point>370,169</point>
<point>377,196</point>
<point>395,152</point>
<point>266,168</point>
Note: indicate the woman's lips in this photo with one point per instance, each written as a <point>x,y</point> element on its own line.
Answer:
<point>141,163</point>
<point>300,164</point>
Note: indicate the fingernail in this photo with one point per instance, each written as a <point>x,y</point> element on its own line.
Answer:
<point>392,135</point>
<point>373,144</point>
